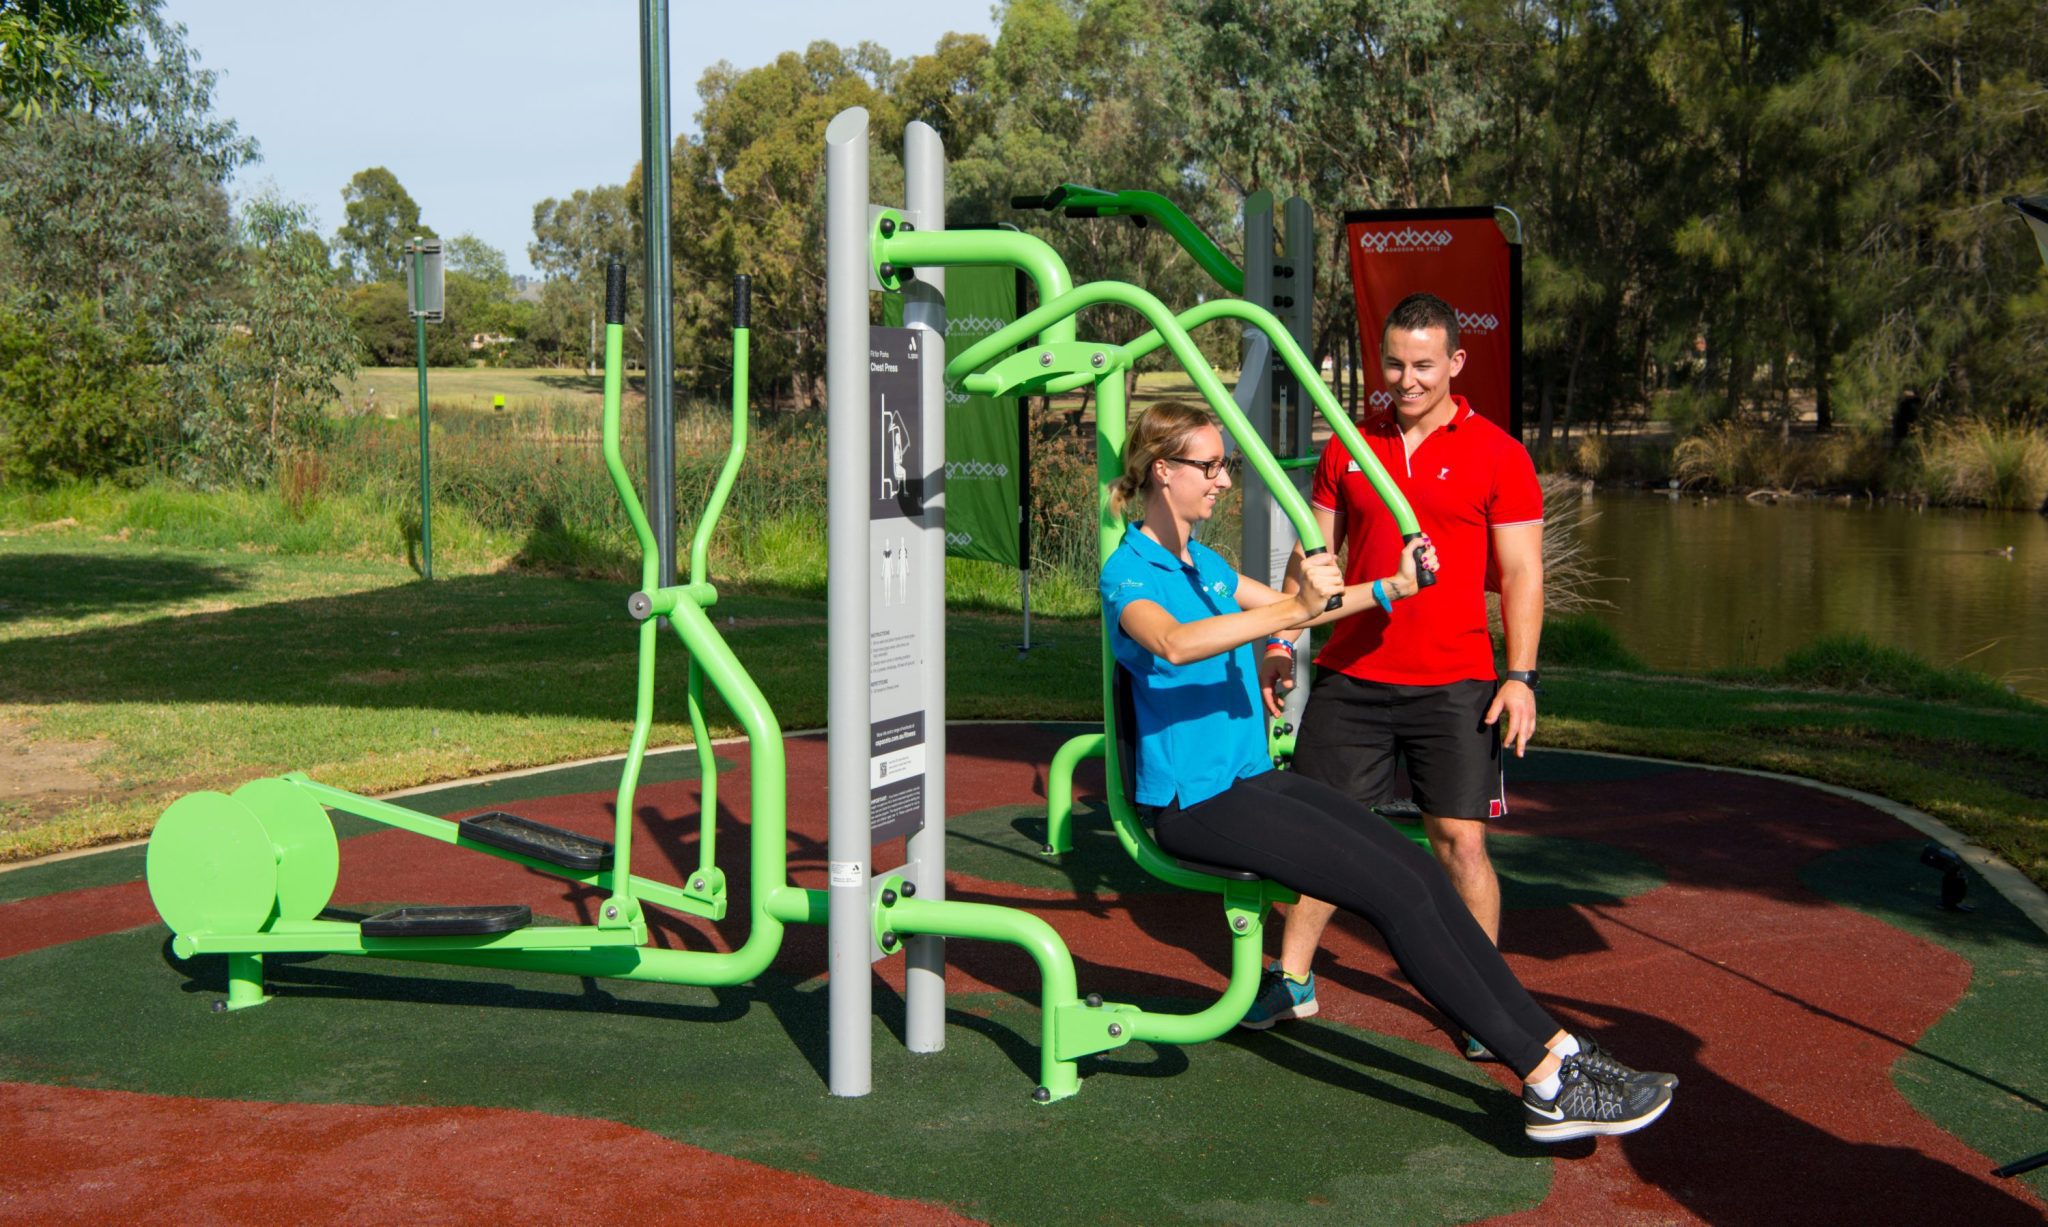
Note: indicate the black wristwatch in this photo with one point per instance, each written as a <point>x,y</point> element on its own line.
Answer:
<point>1525,676</point>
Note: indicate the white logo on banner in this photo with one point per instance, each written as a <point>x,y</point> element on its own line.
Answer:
<point>1477,322</point>
<point>959,540</point>
<point>1380,400</point>
<point>973,470</point>
<point>1407,238</point>
<point>972,325</point>
<point>956,397</point>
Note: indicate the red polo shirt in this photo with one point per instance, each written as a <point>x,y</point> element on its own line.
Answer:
<point>1465,479</point>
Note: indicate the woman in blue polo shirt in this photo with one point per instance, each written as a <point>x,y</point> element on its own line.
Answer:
<point>1182,622</point>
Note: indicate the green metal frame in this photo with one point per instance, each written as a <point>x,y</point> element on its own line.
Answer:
<point>250,874</point>
<point>253,840</point>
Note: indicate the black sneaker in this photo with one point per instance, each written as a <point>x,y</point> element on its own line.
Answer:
<point>1590,1106</point>
<point>1601,1063</point>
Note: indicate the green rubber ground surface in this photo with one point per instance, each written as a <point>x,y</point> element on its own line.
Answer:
<point>1349,1128</point>
<point>1995,1040</point>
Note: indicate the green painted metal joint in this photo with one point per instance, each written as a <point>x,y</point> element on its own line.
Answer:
<point>621,911</point>
<point>798,905</point>
<point>706,886</point>
<point>902,248</point>
<point>709,904</point>
<point>1082,1030</point>
<point>662,602</point>
<point>1033,371</point>
<point>888,893</point>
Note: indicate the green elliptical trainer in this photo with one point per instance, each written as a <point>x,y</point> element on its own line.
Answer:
<point>250,874</point>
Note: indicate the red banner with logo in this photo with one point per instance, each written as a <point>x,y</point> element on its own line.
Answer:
<point>1461,256</point>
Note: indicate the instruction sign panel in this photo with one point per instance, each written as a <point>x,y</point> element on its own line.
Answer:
<point>897,637</point>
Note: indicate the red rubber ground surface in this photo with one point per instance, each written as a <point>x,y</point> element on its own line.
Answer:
<point>1782,1013</point>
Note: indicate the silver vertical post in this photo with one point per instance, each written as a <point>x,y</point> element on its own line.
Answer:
<point>924,306</point>
<point>849,935</point>
<point>1258,507</point>
<point>1299,316</point>
<point>659,316</point>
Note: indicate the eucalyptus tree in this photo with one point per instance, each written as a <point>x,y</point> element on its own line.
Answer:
<point>1348,105</point>
<point>381,217</point>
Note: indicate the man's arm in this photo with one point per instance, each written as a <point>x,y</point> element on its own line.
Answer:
<point>1518,550</point>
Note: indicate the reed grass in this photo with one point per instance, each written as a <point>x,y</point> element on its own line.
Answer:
<point>2002,465</point>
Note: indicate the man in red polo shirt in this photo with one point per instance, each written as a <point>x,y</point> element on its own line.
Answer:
<point>1416,679</point>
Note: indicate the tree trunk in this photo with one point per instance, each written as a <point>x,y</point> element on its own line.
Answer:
<point>1823,380</point>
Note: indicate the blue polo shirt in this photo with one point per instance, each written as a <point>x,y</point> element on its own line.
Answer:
<point>1200,725</point>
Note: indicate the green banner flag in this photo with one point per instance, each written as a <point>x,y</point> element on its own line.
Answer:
<point>985,466</point>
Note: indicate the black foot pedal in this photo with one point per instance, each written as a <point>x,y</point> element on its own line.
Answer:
<point>1402,809</point>
<point>448,921</point>
<point>538,840</point>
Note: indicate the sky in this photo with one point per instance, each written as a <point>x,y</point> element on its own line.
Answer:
<point>483,108</point>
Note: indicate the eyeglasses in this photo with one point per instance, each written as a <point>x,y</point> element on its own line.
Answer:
<point>1210,468</point>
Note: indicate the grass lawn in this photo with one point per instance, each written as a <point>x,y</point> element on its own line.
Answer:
<point>396,389</point>
<point>134,672</point>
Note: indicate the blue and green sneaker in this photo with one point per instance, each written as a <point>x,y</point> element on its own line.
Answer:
<point>1280,998</point>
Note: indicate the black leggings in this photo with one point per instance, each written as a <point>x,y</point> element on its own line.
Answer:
<point>1313,839</point>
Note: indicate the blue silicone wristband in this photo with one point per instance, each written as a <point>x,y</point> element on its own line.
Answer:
<point>1379,593</point>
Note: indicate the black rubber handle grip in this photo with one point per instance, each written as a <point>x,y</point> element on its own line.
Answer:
<point>1334,601</point>
<point>1424,577</point>
<point>615,293</point>
<point>1051,200</point>
<point>742,299</point>
<point>1085,211</point>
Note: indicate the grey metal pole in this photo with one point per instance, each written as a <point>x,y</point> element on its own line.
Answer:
<point>1254,556</point>
<point>1299,316</point>
<point>419,332</point>
<point>924,306</point>
<point>849,936</point>
<point>658,317</point>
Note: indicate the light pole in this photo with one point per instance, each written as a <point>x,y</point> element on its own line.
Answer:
<point>424,300</point>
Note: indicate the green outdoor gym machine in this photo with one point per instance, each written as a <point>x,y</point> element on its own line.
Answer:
<point>250,874</point>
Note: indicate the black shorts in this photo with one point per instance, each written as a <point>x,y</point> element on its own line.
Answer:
<point>1353,732</point>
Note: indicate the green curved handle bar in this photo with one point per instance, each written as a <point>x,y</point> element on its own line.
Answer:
<point>700,572</point>
<point>1175,338</point>
<point>1003,248</point>
<point>614,383</point>
<point>1181,228</point>
<point>1308,377</point>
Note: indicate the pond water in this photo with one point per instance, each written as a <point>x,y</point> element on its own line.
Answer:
<point>1724,582</point>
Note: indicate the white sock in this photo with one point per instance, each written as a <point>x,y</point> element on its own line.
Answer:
<point>1566,1047</point>
<point>1547,1088</point>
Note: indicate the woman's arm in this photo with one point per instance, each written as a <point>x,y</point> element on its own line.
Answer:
<point>1357,597</point>
<point>1177,642</point>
